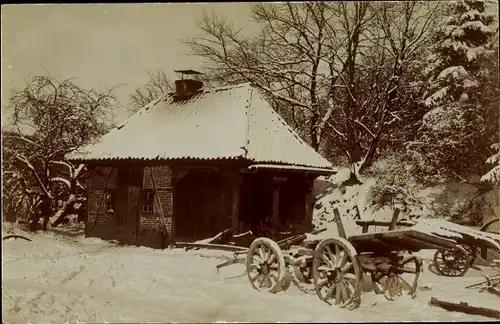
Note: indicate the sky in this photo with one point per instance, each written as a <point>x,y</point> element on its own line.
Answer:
<point>109,44</point>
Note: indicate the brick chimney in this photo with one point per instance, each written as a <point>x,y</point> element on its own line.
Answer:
<point>187,86</point>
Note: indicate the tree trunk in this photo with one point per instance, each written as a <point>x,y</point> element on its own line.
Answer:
<point>313,133</point>
<point>41,210</point>
<point>64,211</point>
<point>68,206</point>
<point>46,210</point>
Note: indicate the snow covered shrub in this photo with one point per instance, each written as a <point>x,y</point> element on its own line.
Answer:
<point>493,175</point>
<point>448,143</point>
<point>395,186</point>
<point>347,198</point>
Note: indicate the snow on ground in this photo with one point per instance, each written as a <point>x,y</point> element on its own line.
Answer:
<point>58,278</point>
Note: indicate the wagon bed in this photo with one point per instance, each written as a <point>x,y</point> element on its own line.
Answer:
<point>455,262</point>
<point>399,240</point>
<point>459,233</point>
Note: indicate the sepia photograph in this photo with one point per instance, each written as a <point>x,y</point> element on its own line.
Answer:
<point>257,162</point>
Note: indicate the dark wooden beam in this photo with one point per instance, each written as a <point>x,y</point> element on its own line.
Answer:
<point>102,197</point>
<point>235,208</point>
<point>221,247</point>
<point>392,225</point>
<point>309,201</point>
<point>340,225</point>
<point>465,308</point>
<point>275,217</point>
<point>367,224</point>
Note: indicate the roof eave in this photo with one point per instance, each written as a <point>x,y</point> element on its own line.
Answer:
<point>293,168</point>
<point>125,160</point>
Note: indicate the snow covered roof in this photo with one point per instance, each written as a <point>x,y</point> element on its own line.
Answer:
<point>222,123</point>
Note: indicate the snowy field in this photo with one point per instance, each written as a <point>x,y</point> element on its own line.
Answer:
<point>58,278</point>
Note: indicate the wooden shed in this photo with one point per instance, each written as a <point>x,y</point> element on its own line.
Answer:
<point>196,162</point>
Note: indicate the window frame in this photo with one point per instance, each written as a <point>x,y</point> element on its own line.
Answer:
<point>145,202</point>
<point>113,194</point>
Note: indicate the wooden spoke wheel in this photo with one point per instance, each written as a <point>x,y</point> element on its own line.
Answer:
<point>303,274</point>
<point>402,278</point>
<point>471,252</point>
<point>265,264</point>
<point>337,273</point>
<point>452,262</point>
<point>303,278</point>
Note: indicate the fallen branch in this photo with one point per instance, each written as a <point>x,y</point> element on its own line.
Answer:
<point>465,308</point>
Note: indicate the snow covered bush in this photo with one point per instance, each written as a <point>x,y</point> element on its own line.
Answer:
<point>493,176</point>
<point>396,186</point>
<point>448,143</point>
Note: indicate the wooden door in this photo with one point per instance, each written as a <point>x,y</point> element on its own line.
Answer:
<point>134,209</point>
<point>202,209</point>
<point>121,196</point>
<point>129,183</point>
<point>134,185</point>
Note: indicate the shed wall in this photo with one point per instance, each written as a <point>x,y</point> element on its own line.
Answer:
<point>149,223</point>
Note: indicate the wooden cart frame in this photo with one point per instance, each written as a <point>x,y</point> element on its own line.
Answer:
<point>333,267</point>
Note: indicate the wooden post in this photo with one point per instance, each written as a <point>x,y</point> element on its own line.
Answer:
<point>235,209</point>
<point>309,203</point>
<point>102,197</point>
<point>394,220</point>
<point>177,175</point>
<point>275,217</point>
<point>157,199</point>
<point>340,225</point>
<point>87,212</point>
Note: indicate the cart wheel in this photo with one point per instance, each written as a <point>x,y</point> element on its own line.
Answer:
<point>265,263</point>
<point>336,273</point>
<point>401,279</point>
<point>471,252</point>
<point>452,262</point>
<point>302,279</point>
<point>287,279</point>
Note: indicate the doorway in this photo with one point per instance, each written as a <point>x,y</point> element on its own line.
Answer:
<point>256,202</point>
<point>202,205</point>
<point>128,203</point>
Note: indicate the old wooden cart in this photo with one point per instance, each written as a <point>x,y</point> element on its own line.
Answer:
<point>483,243</point>
<point>333,267</point>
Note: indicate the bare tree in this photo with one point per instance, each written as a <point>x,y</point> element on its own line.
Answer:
<point>400,32</point>
<point>334,70</point>
<point>52,117</point>
<point>158,85</point>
